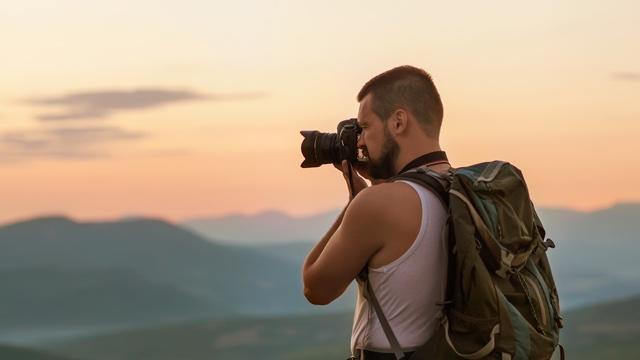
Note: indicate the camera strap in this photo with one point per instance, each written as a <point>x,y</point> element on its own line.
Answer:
<point>353,194</point>
<point>432,158</point>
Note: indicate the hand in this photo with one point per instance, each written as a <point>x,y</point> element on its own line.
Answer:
<point>359,183</point>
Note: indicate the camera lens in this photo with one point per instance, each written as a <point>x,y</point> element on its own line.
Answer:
<point>319,148</point>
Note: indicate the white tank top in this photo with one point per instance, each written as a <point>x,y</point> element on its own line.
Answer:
<point>409,288</point>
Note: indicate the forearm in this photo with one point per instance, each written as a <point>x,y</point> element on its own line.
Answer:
<point>317,250</point>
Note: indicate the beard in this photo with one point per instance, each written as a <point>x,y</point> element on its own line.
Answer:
<point>383,168</point>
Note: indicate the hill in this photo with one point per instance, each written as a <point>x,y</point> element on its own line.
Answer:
<point>59,272</point>
<point>85,296</point>
<point>270,338</point>
<point>610,330</point>
<point>604,331</point>
<point>264,228</point>
<point>594,261</point>
<point>17,353</point>
<point>596,255</point>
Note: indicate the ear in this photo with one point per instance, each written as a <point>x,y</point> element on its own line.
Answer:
<point>398,121</point>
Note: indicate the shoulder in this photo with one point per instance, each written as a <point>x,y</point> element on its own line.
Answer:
<point>391,192</point>
<point>385,203</point>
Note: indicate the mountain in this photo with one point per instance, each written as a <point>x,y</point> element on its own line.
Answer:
<point>596,255</point>
<point>59,272</point>
<point>263,228</point>
<point>594,261</point>
<point>84,296</point>
<point>63,277</point>
<point>293,251</point>
<point>603,331</point>
<point>230,278</point>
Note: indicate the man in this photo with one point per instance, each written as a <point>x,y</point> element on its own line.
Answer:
<point>395,229</point>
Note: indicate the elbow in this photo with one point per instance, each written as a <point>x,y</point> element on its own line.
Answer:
<point>313,291</point>
<point>315,298</point>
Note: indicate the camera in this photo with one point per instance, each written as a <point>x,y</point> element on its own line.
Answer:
<point>331,148</point>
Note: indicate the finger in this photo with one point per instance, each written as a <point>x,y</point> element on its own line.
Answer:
<point>345,168</point>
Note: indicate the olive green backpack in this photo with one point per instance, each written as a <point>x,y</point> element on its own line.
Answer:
<point>502,301</point>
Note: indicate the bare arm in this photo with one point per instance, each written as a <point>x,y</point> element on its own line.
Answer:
<point>358,185</point>
<point>317,250</point>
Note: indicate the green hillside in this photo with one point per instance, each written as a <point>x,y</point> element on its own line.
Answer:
<point>282,338</point>
<point>608,331</point>
<point>16,353</point>
<point>144,268</point>
<point>85,296</point>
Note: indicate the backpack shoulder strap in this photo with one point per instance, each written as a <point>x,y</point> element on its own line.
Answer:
<point>388,332</point>
<point>432,181</point>
<point>435,183</point>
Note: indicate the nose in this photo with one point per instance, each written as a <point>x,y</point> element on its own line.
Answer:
<point>360,142</point>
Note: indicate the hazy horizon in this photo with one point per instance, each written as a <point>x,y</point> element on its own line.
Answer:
<point>257,213</point>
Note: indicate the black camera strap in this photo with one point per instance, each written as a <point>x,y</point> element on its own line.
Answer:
<point>432,158</point>
<point>353,194</point>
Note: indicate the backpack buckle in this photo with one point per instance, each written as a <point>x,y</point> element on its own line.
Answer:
<point>549,243</point>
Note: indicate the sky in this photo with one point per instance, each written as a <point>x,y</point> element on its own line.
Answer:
<point>183,109</point>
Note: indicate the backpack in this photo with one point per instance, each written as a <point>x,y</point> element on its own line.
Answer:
<point>502,302</point>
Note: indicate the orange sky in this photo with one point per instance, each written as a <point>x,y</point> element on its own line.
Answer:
<point>553,88</point>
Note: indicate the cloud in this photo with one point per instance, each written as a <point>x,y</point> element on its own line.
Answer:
<point>626,76</point>
<point>101,104</point>
<point>65,143</point>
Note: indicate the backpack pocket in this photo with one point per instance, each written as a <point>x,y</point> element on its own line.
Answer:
<point>520,338</point>
<point>471,337</point>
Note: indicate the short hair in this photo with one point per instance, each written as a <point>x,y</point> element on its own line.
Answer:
<point>411,88</point>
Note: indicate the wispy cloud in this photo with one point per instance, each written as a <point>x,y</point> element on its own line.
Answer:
<point>65,143</point>
<point>626,76</point>
<point>100,104</point>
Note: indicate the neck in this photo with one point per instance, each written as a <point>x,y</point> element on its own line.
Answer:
<point>412,152</point>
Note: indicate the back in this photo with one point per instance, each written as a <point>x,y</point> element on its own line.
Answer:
<point>408,288</point>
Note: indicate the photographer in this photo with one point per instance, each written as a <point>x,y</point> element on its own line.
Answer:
<point>393,229</point>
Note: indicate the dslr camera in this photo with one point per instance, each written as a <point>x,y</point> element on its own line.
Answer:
<point>331,148</point>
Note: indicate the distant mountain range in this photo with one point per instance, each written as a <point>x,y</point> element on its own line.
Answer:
<point>605,331</point>
<point>595,259</point>
<point>62,277</point>
<point>264,228</point>
<point>58,272</point>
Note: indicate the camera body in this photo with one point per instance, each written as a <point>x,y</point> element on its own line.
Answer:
<point>331,148</point>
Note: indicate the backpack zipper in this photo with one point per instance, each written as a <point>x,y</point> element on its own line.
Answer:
<point>538,294</point>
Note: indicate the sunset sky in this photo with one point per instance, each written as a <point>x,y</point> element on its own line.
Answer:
<point>193,108</point>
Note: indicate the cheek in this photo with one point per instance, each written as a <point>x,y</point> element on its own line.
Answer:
<point>370,142</point>
<point>366,139</point>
